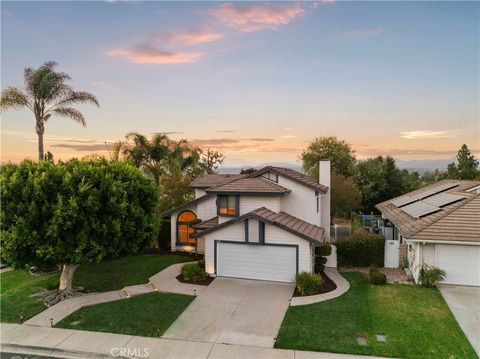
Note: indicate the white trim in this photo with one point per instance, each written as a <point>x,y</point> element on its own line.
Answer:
<point>443,242</point>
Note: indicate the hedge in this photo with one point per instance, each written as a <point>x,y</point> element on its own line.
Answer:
<point>361,249</point>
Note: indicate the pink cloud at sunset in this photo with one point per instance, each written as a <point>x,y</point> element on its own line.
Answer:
<point>188,37</point>
<point>146,54</point>
<point>254,17</point>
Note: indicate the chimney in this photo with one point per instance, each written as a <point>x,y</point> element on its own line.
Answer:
<point>324,178</point>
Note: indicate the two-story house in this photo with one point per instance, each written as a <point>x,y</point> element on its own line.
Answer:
<point>259,226</point>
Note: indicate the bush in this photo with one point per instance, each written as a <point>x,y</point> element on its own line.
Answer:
<point>75,211</point>
<point>361,249</point>
<point>377,277</point>
<point>194,272</point>
<point>430,276</point>
<point>321,252</point>
<point>307,283</point>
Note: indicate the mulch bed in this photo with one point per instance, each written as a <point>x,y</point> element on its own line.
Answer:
<point>328,286</point>
<point>205,281</point>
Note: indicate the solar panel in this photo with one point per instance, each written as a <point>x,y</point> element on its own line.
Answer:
<point>442,199</point>
<point>420,209</point>
<point>402,201</point>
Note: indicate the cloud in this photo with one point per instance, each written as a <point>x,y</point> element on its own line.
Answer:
<point>261,139</point>
<point>255,17</point>
<point>415,135</point>
<point>188,37</point>
<point>214,141</point>
<point>146,54</point>
<point>168,133</point>
<point>373,31</point>
<point>226,131</point>
<point>395,152</point>
<point>288,136</point>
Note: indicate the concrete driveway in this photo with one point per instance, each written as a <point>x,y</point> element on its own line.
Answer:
<point>464,302</point>
<point>235,311</point>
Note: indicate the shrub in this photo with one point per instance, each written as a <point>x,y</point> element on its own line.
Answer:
<point>193,271</point>
<point>307,283</point>
<point>361,249</point>
<point>377,277</point>
<point>321,252</point>
<point>430,276</point>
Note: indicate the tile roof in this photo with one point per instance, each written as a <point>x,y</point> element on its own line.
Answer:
<point>294,176</point>
<point>283,220</point>
<point>209,223</point>
<point>213,180</point>
<point>257,185</point>
<point>460,224</point>
<point>409,226</point>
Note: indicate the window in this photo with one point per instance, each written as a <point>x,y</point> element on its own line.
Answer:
<point>185,220</point>
<point>271,176</point>
<point>228,205</point>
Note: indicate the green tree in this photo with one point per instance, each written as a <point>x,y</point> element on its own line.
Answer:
<point>378,180</point>
<point>345,197</point>
<point>47,93</point>
<point>74,212</point>
<point>338,151</point>
<point>411,181</point>
<point>467,167</point>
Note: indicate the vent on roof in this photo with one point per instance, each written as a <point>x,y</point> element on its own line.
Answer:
<point>402,201</point>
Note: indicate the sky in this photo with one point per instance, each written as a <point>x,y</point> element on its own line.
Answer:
<point>254,80</point>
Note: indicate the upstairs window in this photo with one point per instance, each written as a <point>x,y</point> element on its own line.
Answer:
<point>228,205</point>
<point>271,176</point>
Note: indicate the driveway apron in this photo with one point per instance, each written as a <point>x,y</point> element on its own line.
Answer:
<point>235,311</point>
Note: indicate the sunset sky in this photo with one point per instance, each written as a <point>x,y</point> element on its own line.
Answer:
<point>255,80</point>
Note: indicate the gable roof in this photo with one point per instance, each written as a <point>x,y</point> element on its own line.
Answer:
<point>256,185</point>
<point>283,220</point>
<point>410,226</point>
<point>213,180</point>
<point>187,204</point>
<point>209,223</point>
<point>294,176</point>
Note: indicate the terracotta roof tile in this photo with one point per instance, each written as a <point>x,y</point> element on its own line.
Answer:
<point>294,176</point>
<point>250,185</point>
<point>213,180</point>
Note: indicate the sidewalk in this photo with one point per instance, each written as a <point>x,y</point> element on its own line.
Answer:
<point>66,343</point>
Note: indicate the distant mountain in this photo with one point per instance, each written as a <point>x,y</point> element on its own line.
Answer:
<point>410,165</point>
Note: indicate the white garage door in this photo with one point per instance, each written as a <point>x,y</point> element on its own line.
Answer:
<point>275,263</point>
<point>461,263</point>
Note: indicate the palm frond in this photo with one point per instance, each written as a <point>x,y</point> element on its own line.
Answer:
<point>14,98</point>
<point>73,97</point>
<point>72,113</point>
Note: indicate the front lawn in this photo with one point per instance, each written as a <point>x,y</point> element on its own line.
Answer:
<point>145,315</point>
<point>415,320</point>
<point>17,304</point>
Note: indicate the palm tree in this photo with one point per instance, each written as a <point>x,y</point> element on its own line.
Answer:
<point>46,93</point>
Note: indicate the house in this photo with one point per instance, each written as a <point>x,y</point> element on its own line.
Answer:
<point>260,226</point>
<point>440,225</point>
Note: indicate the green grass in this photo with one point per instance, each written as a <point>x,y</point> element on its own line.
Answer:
<point>416,321</point>
<point>118,273</point>
<point>16,301</point>
<point>145,315</point>
<point>17,287</point>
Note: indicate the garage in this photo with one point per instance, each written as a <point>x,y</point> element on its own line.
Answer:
<point>461,263</point>
<point>253,261</point>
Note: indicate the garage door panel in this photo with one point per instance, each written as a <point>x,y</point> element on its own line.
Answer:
<point>460,263</point>
<point>263,262</point>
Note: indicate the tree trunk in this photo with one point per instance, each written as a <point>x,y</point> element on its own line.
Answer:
<point>40,147</point>
<point>66,278</point>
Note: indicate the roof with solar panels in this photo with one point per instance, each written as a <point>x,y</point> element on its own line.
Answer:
<point>446,210</point>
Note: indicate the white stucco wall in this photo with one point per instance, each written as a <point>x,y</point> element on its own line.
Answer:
<point>207,208</point>
<point>301,202</point>
<point>428,254</point>
<point>250,203</point>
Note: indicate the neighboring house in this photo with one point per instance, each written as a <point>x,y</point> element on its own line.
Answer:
<point>259,226</point>
<point>440,224</point>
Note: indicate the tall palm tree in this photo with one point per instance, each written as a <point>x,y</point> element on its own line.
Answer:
<point>46,93</point>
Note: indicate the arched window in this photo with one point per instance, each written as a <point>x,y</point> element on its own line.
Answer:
<point>184,227</point>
